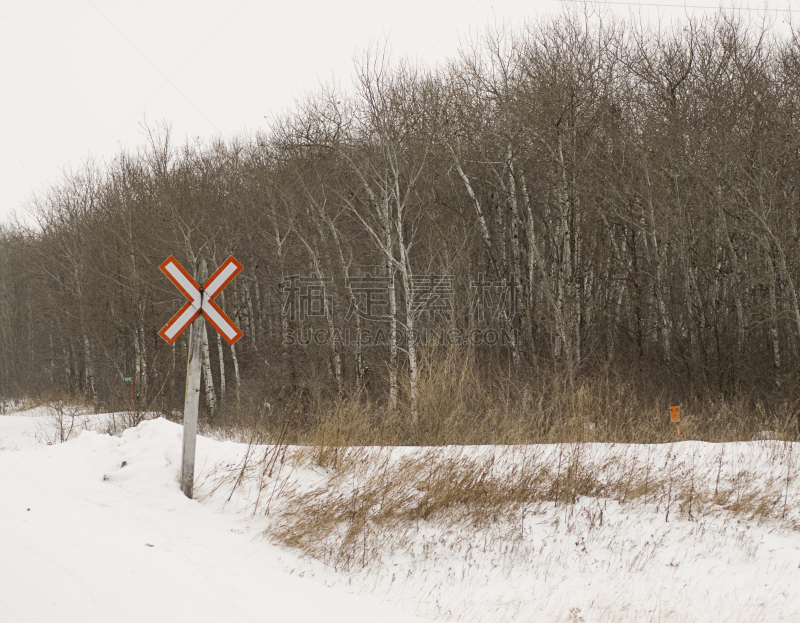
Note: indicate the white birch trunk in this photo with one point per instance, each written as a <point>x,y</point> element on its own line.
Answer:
<point>89,369</point>
<point>658,256</point>
<point>221,369</point>
<point>411,342</point>
<point>236,374</point>
<point>211,396</point>
<point>773,310</point>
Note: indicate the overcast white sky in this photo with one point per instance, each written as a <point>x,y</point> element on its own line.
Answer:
<point>78,77</point>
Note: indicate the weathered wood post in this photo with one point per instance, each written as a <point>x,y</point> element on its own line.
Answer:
<point>192,399</point>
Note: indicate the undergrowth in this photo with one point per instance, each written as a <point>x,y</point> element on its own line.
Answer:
<point>364,504</point>
<point>485,453</point>
<point>460,402</point>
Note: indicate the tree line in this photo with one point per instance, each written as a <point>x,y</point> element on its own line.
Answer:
<point>568,194</point>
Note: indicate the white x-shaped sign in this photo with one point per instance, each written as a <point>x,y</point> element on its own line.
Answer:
<point>200,300</point>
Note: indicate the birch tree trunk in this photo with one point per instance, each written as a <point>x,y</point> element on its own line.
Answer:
<point>658,269</point>
<point>772,288</point>
<point>208,379</point>
<point>221,369</point>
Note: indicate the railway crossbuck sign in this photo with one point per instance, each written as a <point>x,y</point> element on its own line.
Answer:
<point>201,300</point>
<point>200,306</point>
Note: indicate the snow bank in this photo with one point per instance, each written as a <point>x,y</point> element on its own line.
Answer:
<point>97,529</point>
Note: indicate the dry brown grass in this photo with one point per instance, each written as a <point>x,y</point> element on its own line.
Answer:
<point>422,507</point>
<point>368,498</point>
<point>363,504</point>
<point>461,404</point>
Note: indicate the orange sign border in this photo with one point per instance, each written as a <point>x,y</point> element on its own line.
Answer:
<point>210,300</point>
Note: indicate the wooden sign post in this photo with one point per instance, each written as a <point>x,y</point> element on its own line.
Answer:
<point>675,417</point>
<point>129,379</point>
<point>191,403</point>
<point>194,313</point>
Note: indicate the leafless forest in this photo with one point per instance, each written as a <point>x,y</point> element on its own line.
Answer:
<point>579,220</point>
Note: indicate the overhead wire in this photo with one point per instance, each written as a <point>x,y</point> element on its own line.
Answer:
<point>658,5</point>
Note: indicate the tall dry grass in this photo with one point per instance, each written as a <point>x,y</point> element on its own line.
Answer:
<point>459,402</point>
<point>356,507</point>
<point>340,484</point>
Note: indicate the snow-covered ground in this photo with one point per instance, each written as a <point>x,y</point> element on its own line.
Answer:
<point>96,529</point>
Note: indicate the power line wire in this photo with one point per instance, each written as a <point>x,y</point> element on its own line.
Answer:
<point>683,6</point>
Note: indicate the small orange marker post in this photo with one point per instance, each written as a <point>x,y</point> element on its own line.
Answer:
<point>675,416</point>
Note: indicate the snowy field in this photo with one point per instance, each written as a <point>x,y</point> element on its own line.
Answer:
<point>96,529</point>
